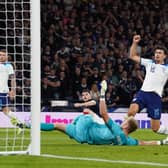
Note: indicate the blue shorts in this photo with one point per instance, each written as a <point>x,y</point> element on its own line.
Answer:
<point>4,100</point>
<point>78,130</point>
<point>151,101</point>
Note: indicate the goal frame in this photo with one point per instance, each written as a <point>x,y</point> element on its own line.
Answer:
<point>34,147</point>
<point>35,77</point>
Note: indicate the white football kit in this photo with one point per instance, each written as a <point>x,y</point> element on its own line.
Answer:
<point>6,69</point>
<point>156,76</point>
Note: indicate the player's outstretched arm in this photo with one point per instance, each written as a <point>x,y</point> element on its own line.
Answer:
<point>133,49</point>
<point>149,142</point>
<point>161,142</point>
<point>85,104</point>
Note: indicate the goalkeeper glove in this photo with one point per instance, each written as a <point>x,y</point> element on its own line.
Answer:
<point>103,88</point>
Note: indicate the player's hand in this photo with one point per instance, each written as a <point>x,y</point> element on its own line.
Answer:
<point>77,105</point>
<point>12,94</point>
<point>136,39</point>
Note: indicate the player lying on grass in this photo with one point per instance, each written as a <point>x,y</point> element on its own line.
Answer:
<point>86,128</point>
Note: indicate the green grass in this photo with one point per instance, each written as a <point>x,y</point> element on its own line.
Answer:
<point>56,143</point>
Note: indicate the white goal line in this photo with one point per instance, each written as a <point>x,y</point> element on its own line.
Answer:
<point>105,160</point>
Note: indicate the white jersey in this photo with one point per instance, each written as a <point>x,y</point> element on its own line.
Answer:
<point>156,76</point>
<point>6,69</point>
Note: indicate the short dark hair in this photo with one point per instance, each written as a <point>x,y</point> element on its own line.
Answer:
<point>159,47</point>
<point>3,50</point>
<point>86,90</point>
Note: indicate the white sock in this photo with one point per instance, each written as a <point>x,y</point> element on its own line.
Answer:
<point>10,114</point>
<point>158,142</point>
<point>102,98</point>
<point>163,130</point>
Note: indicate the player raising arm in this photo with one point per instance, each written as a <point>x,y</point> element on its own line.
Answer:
<point>150,94</point>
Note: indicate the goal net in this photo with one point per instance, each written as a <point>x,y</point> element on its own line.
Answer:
<point>16,38</point>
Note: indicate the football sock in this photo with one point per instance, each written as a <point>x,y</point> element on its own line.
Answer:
<point>47,127</point>
<point>10,114</point>
<point>163,130</point>
<point>13,119</point>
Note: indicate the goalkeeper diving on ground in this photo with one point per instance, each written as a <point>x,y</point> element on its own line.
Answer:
<point>91,129</point>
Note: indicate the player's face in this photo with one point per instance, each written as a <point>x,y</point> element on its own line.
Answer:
<point>159,56</point>
<point>3,57</point>
<point>86,96</point>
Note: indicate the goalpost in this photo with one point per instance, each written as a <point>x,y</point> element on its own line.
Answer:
<point>36,77</point>
<point>20,36</point>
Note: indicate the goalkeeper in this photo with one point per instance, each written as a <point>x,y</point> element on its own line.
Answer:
<point>85,129</point>
<point>7,73</point>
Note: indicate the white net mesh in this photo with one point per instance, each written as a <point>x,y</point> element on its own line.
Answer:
<point>15,38</point>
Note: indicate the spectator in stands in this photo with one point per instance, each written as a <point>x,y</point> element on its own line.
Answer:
<point>82,85</point>
<point>76,78</point>
<point>100,36</point>
<point>64,85</point>
<point>95,77</point>
<point>46,94</point>
<point>111,96</point>
<point>112,78</point>
<point>94,92</point>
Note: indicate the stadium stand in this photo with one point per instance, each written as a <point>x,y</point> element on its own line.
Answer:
<point>85,41</point>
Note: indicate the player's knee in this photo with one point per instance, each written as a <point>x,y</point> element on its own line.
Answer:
<point>133,110</point>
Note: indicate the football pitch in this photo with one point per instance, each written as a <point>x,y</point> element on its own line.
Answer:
<point>58,150</point>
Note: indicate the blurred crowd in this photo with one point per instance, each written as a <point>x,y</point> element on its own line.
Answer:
<point>15,38</point>
<point>85,41</point>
